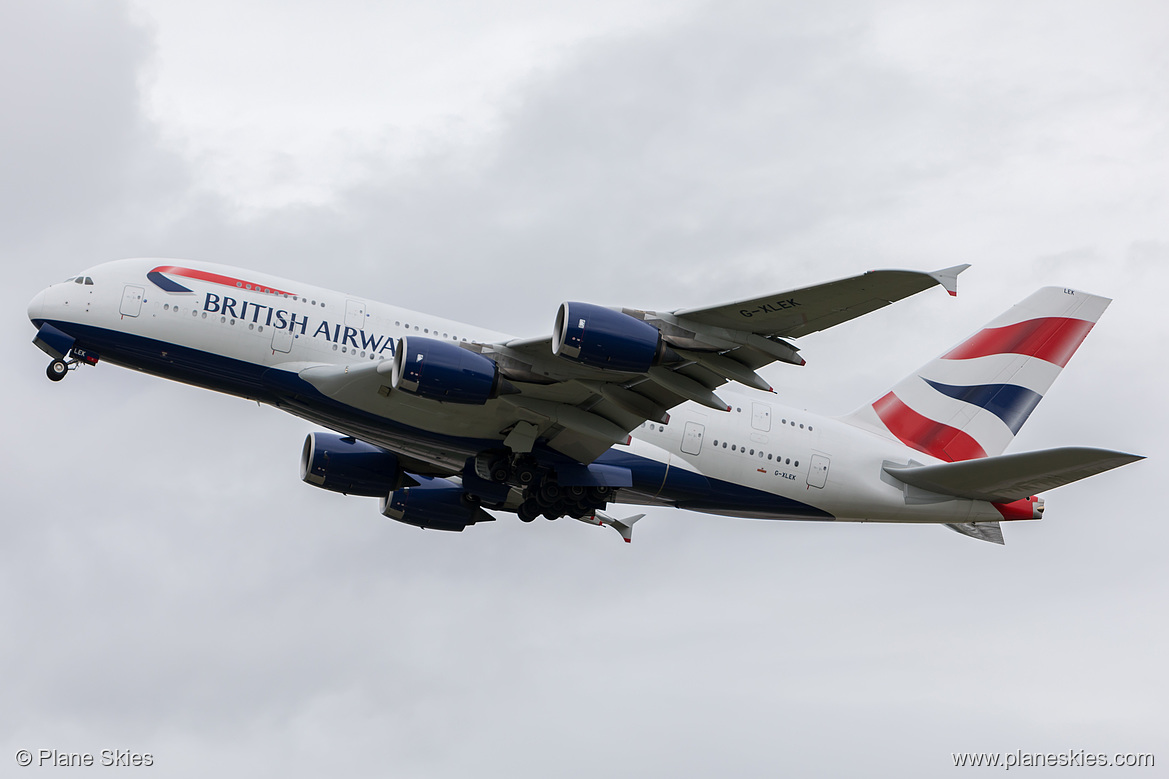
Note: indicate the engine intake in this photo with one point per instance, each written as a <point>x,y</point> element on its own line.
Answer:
<point>603,338</point>
<point>443,371</point>
<point>437,504</point>
<point>344,464</point>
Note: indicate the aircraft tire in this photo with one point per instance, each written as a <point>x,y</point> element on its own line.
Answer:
<point>599,494</point>
<point>528,511</point>
<point>526,475</point>
<point>57,370</point>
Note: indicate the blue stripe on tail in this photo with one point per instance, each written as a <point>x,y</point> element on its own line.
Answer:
<point>1010,403</point>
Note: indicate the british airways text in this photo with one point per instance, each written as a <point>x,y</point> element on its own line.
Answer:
<point>281,319</point>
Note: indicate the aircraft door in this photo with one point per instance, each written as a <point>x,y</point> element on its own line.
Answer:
<point>132,300</point>
<point>818,471</point>
<point>692,438</point>
<point>282,340</point>
<point>761,416</point>
<point>355,314</point>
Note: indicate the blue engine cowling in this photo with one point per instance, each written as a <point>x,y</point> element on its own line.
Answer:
<point>444,371</point>
<point>346,465</point>
<point>437,504</point>
<point>603,338</point>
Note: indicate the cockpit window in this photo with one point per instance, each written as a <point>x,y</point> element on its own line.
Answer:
<point>89,281</point>
<point>79,280</point>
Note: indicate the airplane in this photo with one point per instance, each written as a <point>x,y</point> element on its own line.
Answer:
<point>445,422</point>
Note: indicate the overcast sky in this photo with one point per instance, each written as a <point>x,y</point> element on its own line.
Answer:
<point>170,586</point>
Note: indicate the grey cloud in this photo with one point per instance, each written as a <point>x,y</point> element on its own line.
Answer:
<point>169,585</point>
<point>77,150</point>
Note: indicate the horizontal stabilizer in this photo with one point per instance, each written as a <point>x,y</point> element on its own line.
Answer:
<point>1011,477</point>
<point>983,531</point>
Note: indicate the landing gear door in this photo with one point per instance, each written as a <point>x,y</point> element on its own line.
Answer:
<point>692,438</point>
<point>818,471</point>
<point>132,300</point>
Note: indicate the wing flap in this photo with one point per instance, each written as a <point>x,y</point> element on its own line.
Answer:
<point>1011,477</point>
<point>991,532</point>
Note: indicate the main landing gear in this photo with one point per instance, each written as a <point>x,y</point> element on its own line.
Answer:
<point>540,502</point>
<point>543,495</point>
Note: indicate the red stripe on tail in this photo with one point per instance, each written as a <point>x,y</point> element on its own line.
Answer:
<point>924,434</point>
<point>1053,339</point>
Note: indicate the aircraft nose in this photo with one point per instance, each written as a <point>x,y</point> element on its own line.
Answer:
<point>36,307</point>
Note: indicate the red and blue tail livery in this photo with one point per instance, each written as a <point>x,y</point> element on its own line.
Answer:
<point>451,425</point>
<point>972,400</point>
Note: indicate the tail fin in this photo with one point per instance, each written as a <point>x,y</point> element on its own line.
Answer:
<point>971,401</point>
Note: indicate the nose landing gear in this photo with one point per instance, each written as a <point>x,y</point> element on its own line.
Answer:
<point>57,370</point>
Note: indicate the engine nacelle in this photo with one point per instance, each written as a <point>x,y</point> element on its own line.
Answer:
<point>346,465</point>
<point>437,504</point>
<point>603,338</point>
<point>444,371</point>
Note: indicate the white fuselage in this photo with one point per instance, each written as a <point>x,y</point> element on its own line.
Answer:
<point>246,333</point>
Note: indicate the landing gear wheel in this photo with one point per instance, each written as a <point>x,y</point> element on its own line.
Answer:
<point>528,511</point>
<point>526,474</point>
<point>599,494</point>
<point>57,370</point>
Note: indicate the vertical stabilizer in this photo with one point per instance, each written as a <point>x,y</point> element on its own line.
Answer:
<point>971,401</point>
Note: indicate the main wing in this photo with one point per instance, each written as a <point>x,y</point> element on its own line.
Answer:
<point>603,372</point>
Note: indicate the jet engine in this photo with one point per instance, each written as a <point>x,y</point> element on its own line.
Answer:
<point>346,465</point>
<point>603,338</point>
<point>438,504</point>
<point>443,371</point>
